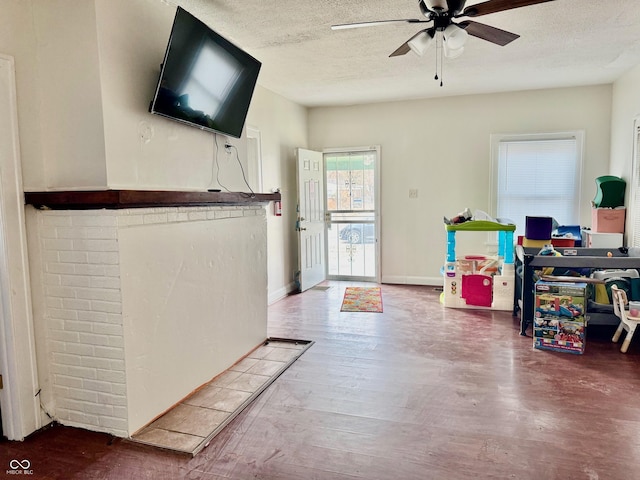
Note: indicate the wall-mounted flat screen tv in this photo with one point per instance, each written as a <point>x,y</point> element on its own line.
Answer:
<point>205,81</point>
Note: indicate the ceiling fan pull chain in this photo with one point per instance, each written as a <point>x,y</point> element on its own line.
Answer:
<point>436,38</point>
<point>441,60</point>
<point>437,48</point>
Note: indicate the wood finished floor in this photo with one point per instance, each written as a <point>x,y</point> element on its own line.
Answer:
<point>416,392</point>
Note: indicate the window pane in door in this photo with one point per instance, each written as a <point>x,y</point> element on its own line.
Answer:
<point>351,243</point>
<point>350,181</point>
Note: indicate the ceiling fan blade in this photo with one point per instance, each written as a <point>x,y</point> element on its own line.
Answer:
<point>376,23</point>
<point>488,33</point>
<point>494,6</point>
<point>402,49</point>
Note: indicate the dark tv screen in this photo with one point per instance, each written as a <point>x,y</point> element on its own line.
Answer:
<point>205,81</point>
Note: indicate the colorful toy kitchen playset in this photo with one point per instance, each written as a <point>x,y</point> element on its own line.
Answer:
<point>478,281</point>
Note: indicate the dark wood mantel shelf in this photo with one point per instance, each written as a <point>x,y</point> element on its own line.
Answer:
<point>117,199</point>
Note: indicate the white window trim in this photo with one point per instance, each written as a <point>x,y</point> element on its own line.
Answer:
<point>502,137</point>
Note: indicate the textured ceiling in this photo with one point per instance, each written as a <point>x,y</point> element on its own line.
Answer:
<point>562,43</point>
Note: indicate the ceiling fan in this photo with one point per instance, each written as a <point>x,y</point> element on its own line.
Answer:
<point>453,35</point>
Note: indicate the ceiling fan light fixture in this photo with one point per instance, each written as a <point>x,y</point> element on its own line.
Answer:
<point>455,37</point>
<point>420,43</point>
<point>452,52</point>
<point>437,5</point>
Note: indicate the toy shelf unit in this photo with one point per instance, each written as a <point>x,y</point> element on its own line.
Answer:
<point>477,281</point>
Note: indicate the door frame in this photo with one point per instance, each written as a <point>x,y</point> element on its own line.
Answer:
<point>377,203</point>
<point>254,161</point>
<point>19,397</point>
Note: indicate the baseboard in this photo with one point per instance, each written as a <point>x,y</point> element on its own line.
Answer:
<point>280,293</point>
<point>409,280</point>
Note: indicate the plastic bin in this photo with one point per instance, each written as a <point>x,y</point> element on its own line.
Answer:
<point>610,191</point>
<point>592,239</point>
<point>608,220</point>
<point>538,228</point>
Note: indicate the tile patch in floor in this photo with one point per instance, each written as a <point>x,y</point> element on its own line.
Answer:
<point>193,423</point>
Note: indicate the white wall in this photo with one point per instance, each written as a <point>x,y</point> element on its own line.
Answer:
<point>625,109</point>
<point>441,148</point>
<point>143,150</point>
<point>283,128</point>
<point>86,72</point>
<point>68,79</point>
<point>17,38</point>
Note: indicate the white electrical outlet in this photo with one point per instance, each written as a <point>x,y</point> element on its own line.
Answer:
<point>413,193</point>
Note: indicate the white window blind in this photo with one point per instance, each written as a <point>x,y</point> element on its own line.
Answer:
<point>538,175</point>
<point>635,189</point>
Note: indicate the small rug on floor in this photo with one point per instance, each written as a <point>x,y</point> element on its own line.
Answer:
<point>362,299</point>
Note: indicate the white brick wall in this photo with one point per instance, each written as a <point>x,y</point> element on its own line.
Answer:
<point>83,307</point>
<point>84,318</point>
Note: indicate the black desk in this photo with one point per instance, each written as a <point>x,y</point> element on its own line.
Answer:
<point>596,258</point>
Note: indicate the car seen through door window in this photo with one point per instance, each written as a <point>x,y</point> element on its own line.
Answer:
<point>358,233</point>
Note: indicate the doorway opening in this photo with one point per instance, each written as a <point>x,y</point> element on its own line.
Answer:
<point>352,214</point>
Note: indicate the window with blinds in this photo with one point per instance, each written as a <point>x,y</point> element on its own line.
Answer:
<point>634,211</point>
<point>537,175</point>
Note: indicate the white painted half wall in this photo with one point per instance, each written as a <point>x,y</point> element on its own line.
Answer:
<point>135,309</point>
<point>194,302</point>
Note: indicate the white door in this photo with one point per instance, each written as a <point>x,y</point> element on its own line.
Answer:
<point>310,223</point>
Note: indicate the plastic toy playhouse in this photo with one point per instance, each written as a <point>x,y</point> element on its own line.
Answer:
<point>476,281</point>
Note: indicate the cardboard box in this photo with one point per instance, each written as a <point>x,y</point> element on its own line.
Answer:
<point>527,242</point>
<point>560,323</point>
<point>608,220</point>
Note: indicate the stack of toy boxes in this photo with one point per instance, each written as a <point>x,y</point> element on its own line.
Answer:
<point>560,322</point>
<point>607,213</point>
<point>537,231</point>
